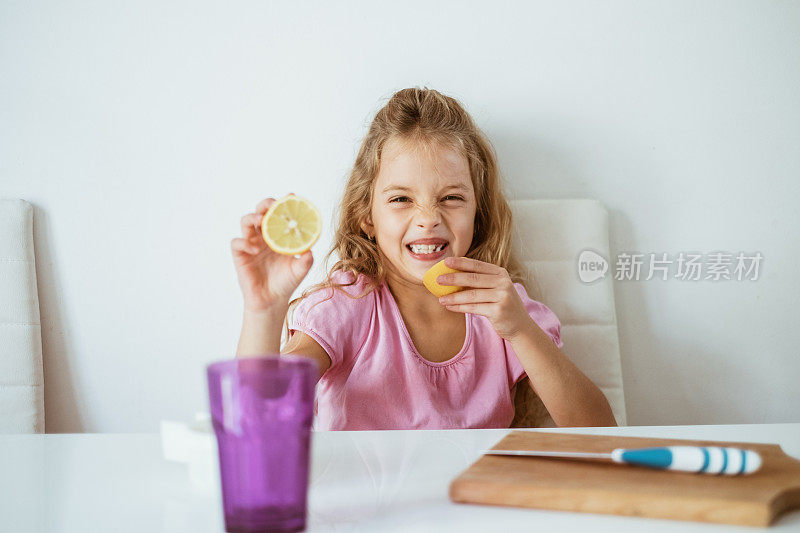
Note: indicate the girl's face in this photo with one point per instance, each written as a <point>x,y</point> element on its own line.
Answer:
<point>423,207</point>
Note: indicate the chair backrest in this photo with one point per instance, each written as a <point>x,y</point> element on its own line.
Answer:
<point>21,376</point>
<point>549,236</point>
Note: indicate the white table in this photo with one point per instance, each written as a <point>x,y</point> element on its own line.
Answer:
<point>360,481</point>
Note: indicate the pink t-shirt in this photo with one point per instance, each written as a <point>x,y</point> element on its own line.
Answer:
<point>378,380</point>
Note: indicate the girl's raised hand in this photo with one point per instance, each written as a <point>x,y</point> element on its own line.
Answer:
<point>267,278</point>
<point>490,293</point>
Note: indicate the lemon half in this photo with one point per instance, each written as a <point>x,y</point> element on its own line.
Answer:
<point>429,280</point>
<point>292,225</point>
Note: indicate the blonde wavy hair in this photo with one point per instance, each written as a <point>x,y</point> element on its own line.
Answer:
<point>421,116</point>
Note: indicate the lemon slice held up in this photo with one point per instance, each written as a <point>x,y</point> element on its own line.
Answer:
<point>292,225</point>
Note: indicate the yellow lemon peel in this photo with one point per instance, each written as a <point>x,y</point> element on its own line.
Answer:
<point>429,280</point>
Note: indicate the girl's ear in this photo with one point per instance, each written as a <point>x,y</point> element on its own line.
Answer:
<point>367,226</point>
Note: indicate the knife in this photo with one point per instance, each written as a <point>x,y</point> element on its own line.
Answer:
<point>698,459</point>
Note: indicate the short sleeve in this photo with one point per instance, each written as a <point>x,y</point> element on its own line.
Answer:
<point>545,319</point>
<point>338,322</point>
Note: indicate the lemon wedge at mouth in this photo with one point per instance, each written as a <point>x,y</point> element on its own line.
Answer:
<point>429,280</point>
<point>292,225</point>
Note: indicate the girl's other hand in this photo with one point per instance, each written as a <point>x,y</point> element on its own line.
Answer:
<point>267,278</point>
<point>490,293</point>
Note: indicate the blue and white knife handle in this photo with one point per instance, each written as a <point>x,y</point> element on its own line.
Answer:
<point>700,459</point>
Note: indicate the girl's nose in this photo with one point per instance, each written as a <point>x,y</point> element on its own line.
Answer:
<point>428,217</point>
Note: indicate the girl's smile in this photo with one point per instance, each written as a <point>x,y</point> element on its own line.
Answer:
<point>428,249</point>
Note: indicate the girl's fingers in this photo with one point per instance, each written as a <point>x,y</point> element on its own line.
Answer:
<point>264,205</point>
<point>473,296</point>
<point>242,246</point>
<point>475,309</point>
<point>251,225</point>
<point>468,279</point>
<point>472,265</point>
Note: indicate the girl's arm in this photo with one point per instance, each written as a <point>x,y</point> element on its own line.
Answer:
<point>267,280</point>
<point>261,334</point>
<point>570,397</point>
<point>303,344</point>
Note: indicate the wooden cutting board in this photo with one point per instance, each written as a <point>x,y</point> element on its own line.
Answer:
<point>593,486</point>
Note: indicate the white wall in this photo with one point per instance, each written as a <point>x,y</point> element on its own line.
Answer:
<point>142,131</point>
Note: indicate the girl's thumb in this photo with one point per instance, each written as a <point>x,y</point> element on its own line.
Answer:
<point>301,265</point>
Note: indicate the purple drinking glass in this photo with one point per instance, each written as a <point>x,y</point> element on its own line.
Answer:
<point>262,409</point>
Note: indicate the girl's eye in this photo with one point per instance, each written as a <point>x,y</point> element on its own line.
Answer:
<point>405,198</point>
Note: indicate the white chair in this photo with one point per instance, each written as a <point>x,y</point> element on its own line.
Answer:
<point>21,376</point>
<point>549,235</point>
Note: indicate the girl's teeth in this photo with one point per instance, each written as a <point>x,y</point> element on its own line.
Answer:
<point>426,249</point>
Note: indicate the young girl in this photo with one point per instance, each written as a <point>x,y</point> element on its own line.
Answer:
<point>425,186</point>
